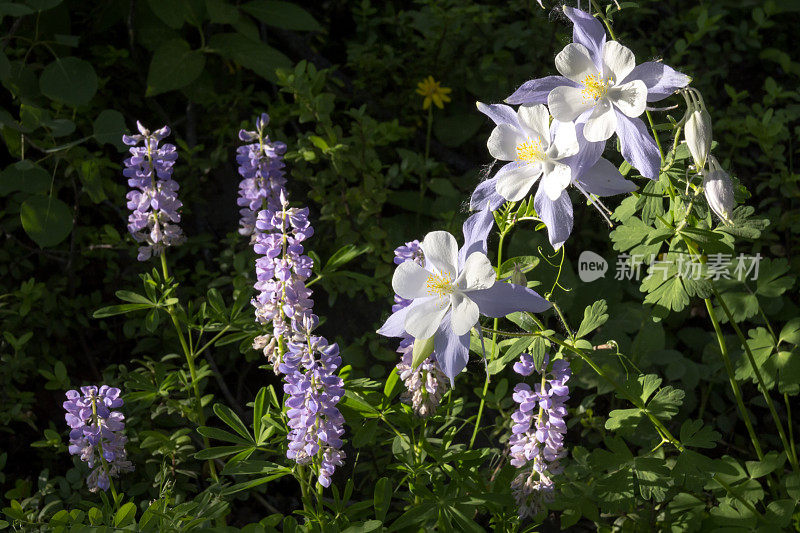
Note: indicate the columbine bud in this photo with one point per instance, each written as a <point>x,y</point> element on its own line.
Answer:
<point>698,136</point>
<point>518,276</point>
<point>718,188</point>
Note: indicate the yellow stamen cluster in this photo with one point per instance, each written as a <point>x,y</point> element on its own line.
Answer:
<point>595,87</point>
<point>530,151</point>
<point>440,285</point>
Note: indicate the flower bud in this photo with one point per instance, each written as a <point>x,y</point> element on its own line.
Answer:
<point>718,188</point>
<point>518,276</point>
<point>698,136</point>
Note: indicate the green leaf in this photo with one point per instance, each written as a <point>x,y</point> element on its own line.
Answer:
<point>695,434</point>
<point>113,310</point>
<point>416,515</point>
<point>126,515</point>
<point>171,12</point>
<point>593,317</point>
<point>69,80</point>
<point>344,255</point>
<point>133,297</point>
<point>220,451</point>
<point>108,128</point>
<point>221,12</point>
<point>455,130</point>
<point>46,220</point>
<point>252,467</point>
<point>771,281</point>
<point>666,403</point>
<point>497,365</point>
<point>772,461</point>
<point>382,498</point>
<point>282,15</point>
<point>652,477</point>
<point>791,332</point>
<point>623,419</point>
<point>233,421</point>
<point>222,435</point>
<point>24,176</point>
<point>174,66</point>
<point>254,55</point>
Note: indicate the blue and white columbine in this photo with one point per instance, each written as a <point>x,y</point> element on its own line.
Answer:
<point>557,155</point>
<point>602,87</point>
<point>451,290</point>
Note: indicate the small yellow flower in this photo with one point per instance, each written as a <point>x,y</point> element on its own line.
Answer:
<point>433,92</point>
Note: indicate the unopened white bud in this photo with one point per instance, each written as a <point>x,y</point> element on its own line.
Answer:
<point>718,188</point>
<point>698,136</point>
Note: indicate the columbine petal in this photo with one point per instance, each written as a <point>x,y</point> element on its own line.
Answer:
<point>536,91</point>
<point>557,216</point>
<point>555,181</point>
<point>395,325</point>
<point>486,191</point>
<point>476,230</point>
<point>409,280</point>
<point>574,63</point>
<point>503,142</point>
<point>618,61</point>
<point>478,273</point>
<point>565,143</point>
<point>661,80</point>
<point>502,299</point>
<point>603,179</point>
<point>535,119</point>
<point>568,103</point>
<point>451,351</point>
<point>601,123</point>
<point>441,251</point>
<point>515,183</point>
<point>425,316</point>
<point>464,314</point>
<point>499,113</point>
<point>587,31</point>
<point>637,147</point>
<point>630,97</point>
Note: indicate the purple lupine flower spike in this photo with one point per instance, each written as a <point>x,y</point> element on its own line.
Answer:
<point>313,388</point>
<point>309,363</point>
<point>261,167</point>
<point>97,433</point>
<point>537,440</point>
<point>154,200</point>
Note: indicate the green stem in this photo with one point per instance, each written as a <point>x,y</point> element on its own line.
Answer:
<point>190,357</point>
<point>789,424</point>
<point>760,379</point>
<point>732,378</point>
<point>492,354</point>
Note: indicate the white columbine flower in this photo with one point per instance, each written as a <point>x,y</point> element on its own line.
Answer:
<point>598,89</point>
<point>527,141</point>
<point>439,287</point>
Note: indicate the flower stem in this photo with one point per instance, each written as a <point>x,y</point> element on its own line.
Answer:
<point>190,357</point>
<point>732,378</point>
<point>492,354</point>
<point>792,458</point>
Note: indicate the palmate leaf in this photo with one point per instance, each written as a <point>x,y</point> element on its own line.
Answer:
<point>694,433</point>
